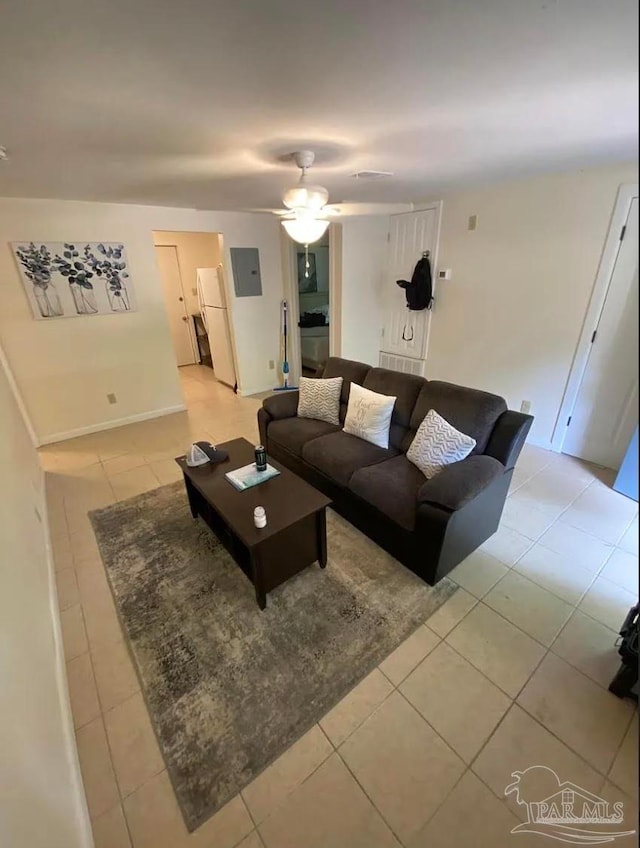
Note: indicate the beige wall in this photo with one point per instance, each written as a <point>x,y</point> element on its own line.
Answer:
<point>364,268</point>
<point>509,319</point>
<point>41,801</point>
<point>195,250</point>
<point>65,368</point>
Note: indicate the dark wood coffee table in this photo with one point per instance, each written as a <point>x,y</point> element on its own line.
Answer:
<point>296,531</point>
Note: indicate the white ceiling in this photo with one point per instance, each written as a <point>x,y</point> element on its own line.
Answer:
<point>194,103</point>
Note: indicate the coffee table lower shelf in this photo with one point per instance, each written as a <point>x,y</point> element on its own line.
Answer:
<point>271,562</point>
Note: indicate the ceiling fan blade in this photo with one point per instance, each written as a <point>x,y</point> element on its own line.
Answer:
<point>346,209</point>
<point>280,212</point>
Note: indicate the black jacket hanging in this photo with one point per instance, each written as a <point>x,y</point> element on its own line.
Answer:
<point>419,291</point>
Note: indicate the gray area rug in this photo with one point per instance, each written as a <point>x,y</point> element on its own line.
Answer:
<point>229,688</point>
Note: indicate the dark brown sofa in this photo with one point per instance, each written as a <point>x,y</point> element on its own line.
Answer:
<point>429,525</point>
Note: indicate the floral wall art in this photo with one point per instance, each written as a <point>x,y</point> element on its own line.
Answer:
<point>72,279</point>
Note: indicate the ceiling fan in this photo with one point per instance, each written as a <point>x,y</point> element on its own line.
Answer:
<point>307,212</point>
<point>306,204</point>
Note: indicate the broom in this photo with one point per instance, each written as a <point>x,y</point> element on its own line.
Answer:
<point>285,387</point>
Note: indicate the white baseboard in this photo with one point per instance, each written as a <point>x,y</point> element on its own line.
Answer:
<point>255,391</point>
<point>542,443</point>
<point>4,365</point>
<point>110,425</point>
<point>83,822</point>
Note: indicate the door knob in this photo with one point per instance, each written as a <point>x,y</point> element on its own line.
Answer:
<point>180,299</point>
<point>184,318</point>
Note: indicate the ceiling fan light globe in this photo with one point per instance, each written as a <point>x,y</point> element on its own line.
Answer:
<point>305,230</point>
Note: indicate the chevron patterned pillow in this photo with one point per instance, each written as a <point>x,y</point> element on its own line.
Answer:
<point>437,444</point>
<point>320,399</point>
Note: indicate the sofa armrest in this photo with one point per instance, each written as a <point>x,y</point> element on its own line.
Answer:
<point>281,405</point>
<point>460,482</point>
<point>508,437</point>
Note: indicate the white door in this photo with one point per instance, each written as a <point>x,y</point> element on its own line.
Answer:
<point>179,320</point>
<point>605,414</point>
<point>217,322</point>
<point>412,233</point>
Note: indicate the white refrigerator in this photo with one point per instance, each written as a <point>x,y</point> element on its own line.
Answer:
<point>213,309</point>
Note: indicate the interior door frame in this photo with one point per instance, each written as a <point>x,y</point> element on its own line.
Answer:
<point>288,250</point>
<point>625,196</point>
<point>229,300</point>
<point>335,289</point>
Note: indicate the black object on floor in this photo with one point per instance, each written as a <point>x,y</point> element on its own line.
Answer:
<point>625,683</point>
<point>204,351</point>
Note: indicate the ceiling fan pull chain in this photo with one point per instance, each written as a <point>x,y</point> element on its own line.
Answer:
<point>306,260</point>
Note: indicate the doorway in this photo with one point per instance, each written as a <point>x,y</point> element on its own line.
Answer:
<point>604,414</point>
<point>187,261</point>
<point>313,314</point>
<point>313,296</point>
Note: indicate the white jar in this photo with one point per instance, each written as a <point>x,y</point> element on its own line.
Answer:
<point>259,517</point>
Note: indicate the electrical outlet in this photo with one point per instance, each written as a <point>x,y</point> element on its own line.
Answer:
<point>473,222</point>
<point>112,398</point>
<point>525,407</point>
<point>272,365</point>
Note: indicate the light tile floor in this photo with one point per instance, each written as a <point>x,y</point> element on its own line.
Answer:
<point>511,672</point>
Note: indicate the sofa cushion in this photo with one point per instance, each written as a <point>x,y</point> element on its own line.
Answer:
<point>405,388</point>
<point>338,455</point>
<point>351,372</point>
<point>469,410</point>
<point>391,487</point>
<point>294,433</point>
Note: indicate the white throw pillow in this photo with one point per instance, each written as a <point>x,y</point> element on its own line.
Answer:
<point>437,444</point>
<point>369,415</point>
<point>320,399</point>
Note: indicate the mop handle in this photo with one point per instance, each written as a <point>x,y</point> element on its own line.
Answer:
<point>285,361</point>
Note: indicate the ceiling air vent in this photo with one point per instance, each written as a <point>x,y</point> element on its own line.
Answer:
<point>372,175</point>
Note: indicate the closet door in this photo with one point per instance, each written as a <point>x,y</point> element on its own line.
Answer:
<point>605,414</point>
<point>179,320</point>
<point>412,233</point>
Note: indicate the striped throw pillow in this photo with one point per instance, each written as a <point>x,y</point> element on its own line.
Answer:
<point>320,399</point>
<point>437,444</point>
